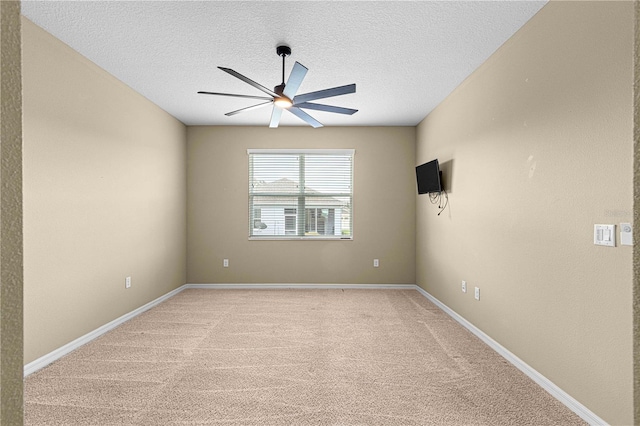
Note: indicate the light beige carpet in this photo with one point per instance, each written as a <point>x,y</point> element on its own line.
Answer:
<point>294,357</point>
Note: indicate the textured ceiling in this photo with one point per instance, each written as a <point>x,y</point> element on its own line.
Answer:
<point>405,57</point>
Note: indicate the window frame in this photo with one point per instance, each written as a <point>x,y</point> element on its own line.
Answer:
<point>301,213</point>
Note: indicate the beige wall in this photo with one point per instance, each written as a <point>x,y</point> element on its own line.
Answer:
<point>104,196</point>
<point>383,209</point>
<point>11,276</point>
<point>537,145</point>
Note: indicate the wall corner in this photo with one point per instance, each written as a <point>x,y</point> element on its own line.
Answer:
<point>11,265</point>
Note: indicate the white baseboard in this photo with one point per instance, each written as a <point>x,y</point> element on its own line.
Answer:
<point>305,286</point>
<point>47,359</point>
<point>566,399</point>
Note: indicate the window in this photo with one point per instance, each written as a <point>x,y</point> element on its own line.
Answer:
<point>304,194</point>
<point>290,220</point>
<point>257,215</point>
<point>320,221</point>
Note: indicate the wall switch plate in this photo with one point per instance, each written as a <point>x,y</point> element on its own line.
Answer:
<point>626,234</point>
<point>477,294</point>
<point>127,282</point>
<point>376,263</point>
<point>225,263</point>
<point>604,235</point>
<point>464,286</point>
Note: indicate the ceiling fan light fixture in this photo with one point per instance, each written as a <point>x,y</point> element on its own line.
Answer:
<point>283,102</point>
<point>284,95</point>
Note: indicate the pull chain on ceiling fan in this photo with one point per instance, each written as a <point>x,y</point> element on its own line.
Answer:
<point>283,96</point>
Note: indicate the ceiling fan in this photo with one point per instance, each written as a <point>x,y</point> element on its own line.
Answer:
<point>283,96</point>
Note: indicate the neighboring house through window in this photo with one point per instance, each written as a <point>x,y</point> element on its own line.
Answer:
<point>300,194</point>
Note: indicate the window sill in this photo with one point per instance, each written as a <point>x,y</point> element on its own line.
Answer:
<point>270,238</point>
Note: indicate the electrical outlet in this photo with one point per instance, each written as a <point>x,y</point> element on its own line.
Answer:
<point>477,295</point>
<point>225,263</point>
<point>376,263</point>
<point>127,282</point>
<point>464,286</point>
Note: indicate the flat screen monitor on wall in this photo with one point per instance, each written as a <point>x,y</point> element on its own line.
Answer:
<point>429,177</point>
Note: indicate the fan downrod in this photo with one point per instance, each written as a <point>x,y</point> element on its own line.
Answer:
<point>283,51</point>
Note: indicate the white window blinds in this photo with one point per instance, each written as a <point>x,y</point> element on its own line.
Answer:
<point>304,194</point>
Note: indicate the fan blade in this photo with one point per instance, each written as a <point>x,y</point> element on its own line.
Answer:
<point>305,117</point>
<point>275,117</point>
<point>327,108</point>
<point>295,80</point>
<point>237,96</point>
<point>326,93</point>
<point>249,81</point>
<point>229,114</point>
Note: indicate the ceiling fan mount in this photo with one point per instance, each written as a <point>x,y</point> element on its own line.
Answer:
<point>283,50</point>
<point>284,95</point>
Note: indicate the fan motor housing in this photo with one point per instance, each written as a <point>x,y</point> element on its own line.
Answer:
<point>279,89</point>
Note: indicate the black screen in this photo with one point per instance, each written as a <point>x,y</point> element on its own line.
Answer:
<point>428,177</point>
